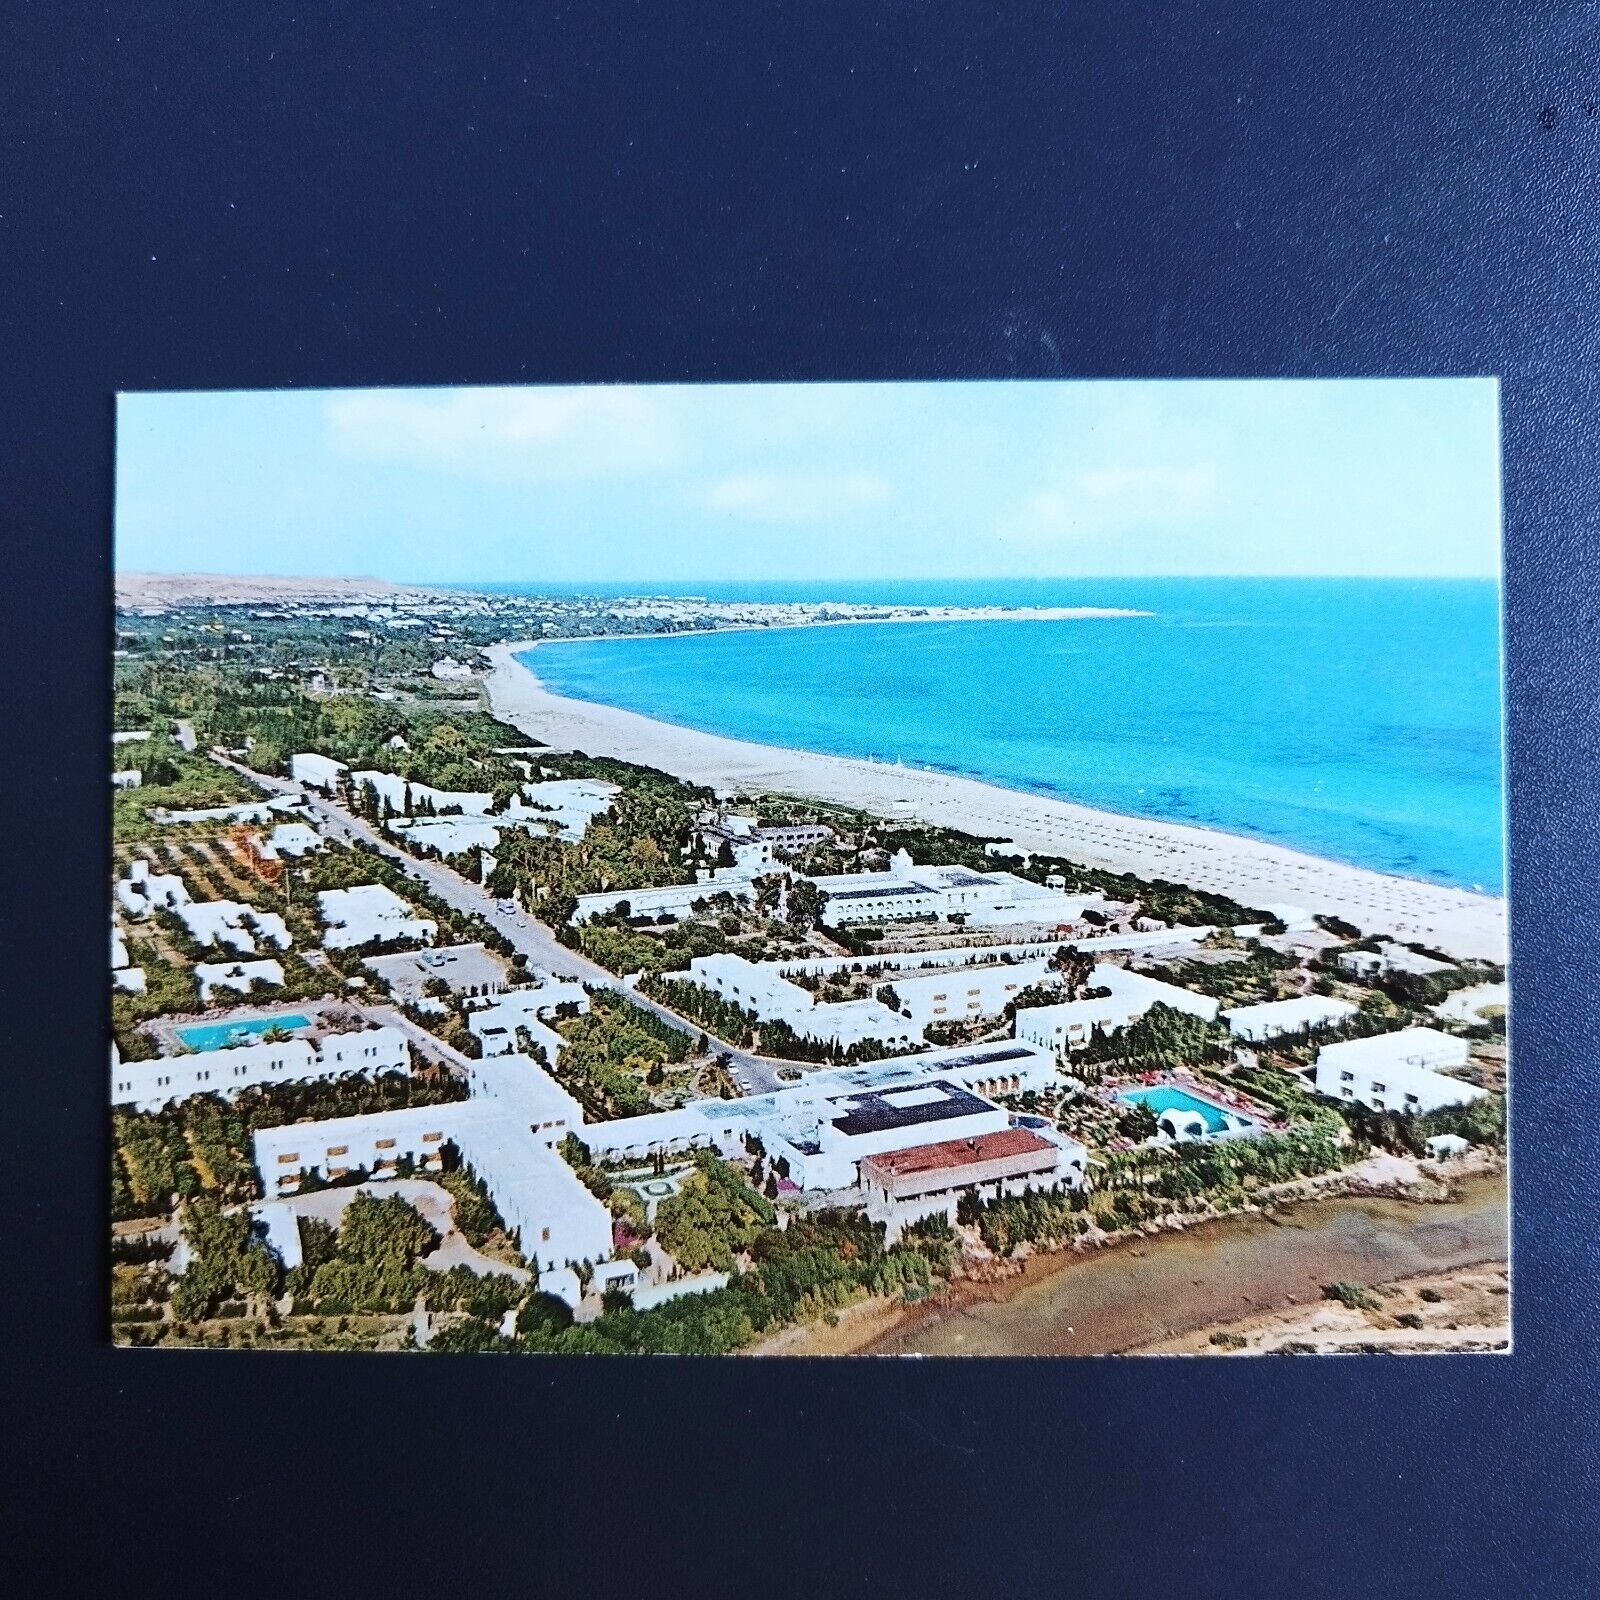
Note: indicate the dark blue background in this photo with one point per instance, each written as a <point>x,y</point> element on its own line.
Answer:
<point>248,195</point>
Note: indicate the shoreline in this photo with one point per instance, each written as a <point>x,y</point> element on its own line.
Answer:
<point>1146,1293</point>
<point>1254,872</point>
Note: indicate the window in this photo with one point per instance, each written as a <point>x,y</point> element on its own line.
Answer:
<point>284,1160</point>
<point>338,1150</point>
<point>544,1236</point>
<point>432,1138</point>
<point>383,1144</point>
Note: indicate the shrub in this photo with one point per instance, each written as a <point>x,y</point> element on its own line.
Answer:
<point>1352,1295</point>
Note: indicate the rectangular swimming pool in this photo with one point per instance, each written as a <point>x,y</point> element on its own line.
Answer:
<point>219,1035</point>
<point>1164,1097</point>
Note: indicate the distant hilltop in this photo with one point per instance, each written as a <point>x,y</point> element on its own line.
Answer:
<point>204,588</point>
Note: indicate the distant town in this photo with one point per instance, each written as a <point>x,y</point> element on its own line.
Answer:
<point>428,1034</point>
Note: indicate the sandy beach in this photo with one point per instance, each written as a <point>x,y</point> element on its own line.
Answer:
<point>1251,871</point>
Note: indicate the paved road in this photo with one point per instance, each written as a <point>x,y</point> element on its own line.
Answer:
<point>753,1073</point>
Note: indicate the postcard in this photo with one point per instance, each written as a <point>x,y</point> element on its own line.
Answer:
<point>994,868</point>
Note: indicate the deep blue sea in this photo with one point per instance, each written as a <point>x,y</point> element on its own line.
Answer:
<point>1356,719</point>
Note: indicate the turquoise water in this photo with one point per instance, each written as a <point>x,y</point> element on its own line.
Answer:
<point>219,1035</point>
<point>1166,1098</point>
<point>1354,719</point>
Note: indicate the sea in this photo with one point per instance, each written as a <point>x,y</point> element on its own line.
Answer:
<point>1356,719</point>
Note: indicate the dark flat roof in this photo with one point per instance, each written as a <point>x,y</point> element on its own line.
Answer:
<point>903,887</point>
<point>984,1057</point>
<point>875,1111</point>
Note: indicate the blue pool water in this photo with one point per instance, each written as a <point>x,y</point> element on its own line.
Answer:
<point>219,1035</point>
<point>1356,719</point>
<point>1166,1098</point>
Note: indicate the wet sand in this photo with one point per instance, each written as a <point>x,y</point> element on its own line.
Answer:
<point>1142,1293</point>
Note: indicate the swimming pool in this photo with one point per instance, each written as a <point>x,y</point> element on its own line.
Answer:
<point>1164,1097</point>
<point>219,1035</point>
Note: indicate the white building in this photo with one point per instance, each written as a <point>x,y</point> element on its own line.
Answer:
<point>571,803</point>
<point>497,1022</point>
<point>127,778</point>
<point>647,1295</point>
<point>392,790</point>
<point>749,853</point>
<point>123,974</point>
<point>1389,958</point>
<point>757,848</point>
<point>907,891</point>
<point>244,811</point>
<point>622,1275</point>
<point>450,836</point>
<point>1276,1018</point>
<point>369,912</point>
<point>961,993</point>
<point>762,988</point>
<point>824,1124</point>
<point>793,837</point>
<point>450,670</point>
<point>463,802</point>
<point>238,976</point>
<point>1008,849</point>
<point>149,1085</point>
<point>295,839</point>
<point>140,891</point>
<point>316,772</point>
<point>563,1283</point>
<point>1071,1025</point>
<point>1396,1071</point>
<point>904,1186</point>
<point>507,1133</point>
<point>230,923</point>
<point>677,900</point>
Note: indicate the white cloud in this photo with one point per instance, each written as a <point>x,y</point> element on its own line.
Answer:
<point>508,434</point>
<point>1110,499</point>
<point>798,496</point>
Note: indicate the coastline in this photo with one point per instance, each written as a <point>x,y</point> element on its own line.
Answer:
<point>1162,1293</point>
<point>1252,871</point>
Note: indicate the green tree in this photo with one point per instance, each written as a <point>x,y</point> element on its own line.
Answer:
<point>806,902</point>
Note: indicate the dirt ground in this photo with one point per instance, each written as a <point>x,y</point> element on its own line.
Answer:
<point>1467,1309</point>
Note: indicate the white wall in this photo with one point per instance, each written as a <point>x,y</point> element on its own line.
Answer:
<point>1396,1072</point>
<point>149,1085</point>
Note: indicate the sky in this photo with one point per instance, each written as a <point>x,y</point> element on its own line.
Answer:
<point>769,482</point>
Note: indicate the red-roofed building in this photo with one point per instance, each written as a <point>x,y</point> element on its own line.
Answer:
<point>903,1186</point>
